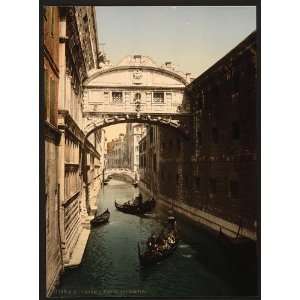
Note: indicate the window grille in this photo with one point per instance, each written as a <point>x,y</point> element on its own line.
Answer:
<point>158,97</point>
<point>117,97</point>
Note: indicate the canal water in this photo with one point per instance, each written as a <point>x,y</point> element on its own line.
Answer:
<point>110,266</point>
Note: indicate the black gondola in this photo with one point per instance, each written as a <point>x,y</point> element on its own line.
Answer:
<point>137,207</point>
<point>161,247</point>
<point>101,219</point>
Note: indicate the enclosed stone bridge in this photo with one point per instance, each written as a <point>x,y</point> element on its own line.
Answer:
<point>120,173</point>
<point>137,90</point>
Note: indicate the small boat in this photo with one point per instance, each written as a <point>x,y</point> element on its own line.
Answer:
<point>109,177</point>
<point>161,247</point>
<point>105,182</point>
<point>135,184</point>
<point>101,219</point>
<point>136,207</point>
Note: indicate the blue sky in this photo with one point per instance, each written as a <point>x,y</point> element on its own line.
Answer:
<point>193,38</point>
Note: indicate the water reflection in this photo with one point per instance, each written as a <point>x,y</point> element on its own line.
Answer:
<point>110,265</point>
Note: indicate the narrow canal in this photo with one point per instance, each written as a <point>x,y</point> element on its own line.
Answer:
<point>110,266</point>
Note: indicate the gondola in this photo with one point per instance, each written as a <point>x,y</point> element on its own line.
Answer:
<point>161,247</point>
<point>137,207</point>
<point>101,219</point>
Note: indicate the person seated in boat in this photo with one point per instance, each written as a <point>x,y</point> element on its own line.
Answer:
<point>152,242</point>
<point>139,199</point>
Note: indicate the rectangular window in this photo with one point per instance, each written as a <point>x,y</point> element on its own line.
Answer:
<point>215,135</point>
<point>234,189</point>
<point>46,96</point>
<point>117,97</point>
<point>212,186</point>
<point>158,97</point>
<point>53,101</point>
<point>235,131</point>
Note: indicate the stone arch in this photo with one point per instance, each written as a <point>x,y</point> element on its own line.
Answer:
<point>167,122</point>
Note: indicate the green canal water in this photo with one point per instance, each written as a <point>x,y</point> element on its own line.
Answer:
<point>110,266</point>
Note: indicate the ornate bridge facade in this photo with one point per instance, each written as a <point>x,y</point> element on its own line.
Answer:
<point>137,91</point>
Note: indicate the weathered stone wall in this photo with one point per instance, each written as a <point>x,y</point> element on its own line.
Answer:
<point>53,251</point>
<point>214,172</point>
<point>71,180</point>
<point>223,102</point>
<point>52,136</point>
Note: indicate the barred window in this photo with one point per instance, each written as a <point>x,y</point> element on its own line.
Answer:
<point>158,97</point>
<point>117,97</point>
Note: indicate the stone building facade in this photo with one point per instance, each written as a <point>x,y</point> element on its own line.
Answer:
<point>54,257</point>
<point>73,162</point>
<point>117,152</point>
<point>136,85</point>
<point>134,132</point>
<point>212,177</point>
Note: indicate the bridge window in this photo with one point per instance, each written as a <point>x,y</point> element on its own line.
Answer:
<point>117,97</point>
<point>158,97</point>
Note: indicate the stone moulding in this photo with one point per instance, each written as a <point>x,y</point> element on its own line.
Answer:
<point>135,118</point>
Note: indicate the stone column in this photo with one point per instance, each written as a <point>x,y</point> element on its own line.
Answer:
<point>61,183</point>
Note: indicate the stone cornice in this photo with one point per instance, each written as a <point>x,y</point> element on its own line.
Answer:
<point>49,58</point>
<point>149,68</point>
<point>51,132</point>
<point>136,87</point>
